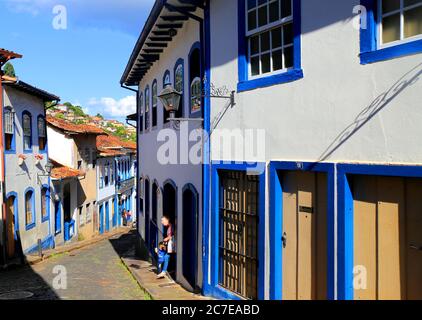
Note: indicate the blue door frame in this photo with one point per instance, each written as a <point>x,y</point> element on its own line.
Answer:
<point>116,212</point>
<point>101,218</point>
<point>57,217</point>
<point>107,217</point>
<point>276,223</point>
<point>346,216</point>
<point>211,267</point>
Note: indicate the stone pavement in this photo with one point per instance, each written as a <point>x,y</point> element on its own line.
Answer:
<point>159,289</point>
<point>93,272</point>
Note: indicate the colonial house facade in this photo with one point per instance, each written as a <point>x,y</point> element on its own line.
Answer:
<point>27,191</point>
<point>75,148</point>
<point>323,179</point>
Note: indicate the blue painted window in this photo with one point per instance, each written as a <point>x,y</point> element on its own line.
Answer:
<point>179,84</point>
<point>147,104</point>
<point>27,131</point>
<point>101,176</point>
<point>269,43</point>
<point>195,83</point>
<point>154,103</point>
<point>42,133</point>
<point>141,112</point>
<point>166,82</point>
<point>45,203</point>
<point>9,130</point>
<point>391,29</point>
<point>29,209</point>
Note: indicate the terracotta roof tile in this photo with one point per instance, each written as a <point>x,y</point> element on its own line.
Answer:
<point>74,128</point>
<point>60,171</point>
<point>109,144</point>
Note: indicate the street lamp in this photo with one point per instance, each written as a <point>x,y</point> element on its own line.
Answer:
<point>48,168</point>
<point>170,98</point>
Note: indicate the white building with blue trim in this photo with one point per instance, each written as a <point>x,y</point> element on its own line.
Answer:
<point>28,221</point>
<point>321,185</point>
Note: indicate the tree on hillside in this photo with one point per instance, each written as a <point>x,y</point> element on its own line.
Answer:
<point>9,70</point>
<point>99,115</point>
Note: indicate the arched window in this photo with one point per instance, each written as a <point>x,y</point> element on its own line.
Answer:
<point>45,203</point>
<point>27,130</point>
<point>9,129</point>
<point>166,79</point>
<point>106,173</point>
<point>154,103</point>
<point>42,133</point>
<point>179,85</point>
<point>141,112</point>
<point>29,209</point>
<point>147,102</point>
<point>195,90</point>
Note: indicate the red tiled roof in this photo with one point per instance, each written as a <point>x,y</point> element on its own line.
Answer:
<point>6,55</point>
<point>60,171</point>
<point>74,128</point>
<point>112,146</point>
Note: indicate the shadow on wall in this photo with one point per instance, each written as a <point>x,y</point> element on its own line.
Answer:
<point>382,101</point>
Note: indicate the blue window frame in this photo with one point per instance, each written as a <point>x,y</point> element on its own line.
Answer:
<point>42,133</point>
<point>9,130</point>
<point>154,102</point>
<point>45,203</point>
<point>269,43</point>
<point>179,84</point>
<point>141,111</point>
<point>27,131</point>
<point>147,108</point>
<point>166,78</point>
<point>29,209</point>
<point>378,43</point>
<point>195,81</point>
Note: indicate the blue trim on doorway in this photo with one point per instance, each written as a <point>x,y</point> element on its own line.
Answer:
<point>294,74</point>
<point>47,243</point>
<point>346,215</point>
<point>47,204</point>
<point>16,211</point>
<point>32,224</point>
<point>276,223</point>
<point>214,288</point>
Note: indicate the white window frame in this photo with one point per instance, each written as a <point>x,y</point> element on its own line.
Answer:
<point>380,16</point>
<point>258,31</point>
<point>154,102</point>
<point>179,69</point>
<point>198,95</point>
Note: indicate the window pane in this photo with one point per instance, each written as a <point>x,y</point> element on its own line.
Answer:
<point>254,45</point>
<point>286,8</point>
<point>262,16</point>
<point>288,57</point>
<point>390,5</point>
<point>274,11</point>
<point>255,66</point>
<point>391,28</point>
<point>277,60</point>
<point>266,63</point>
<point>252,20</point>
<point>260,2</point>
<point>251,4</point>
<point>276,38</point>
<point>413,22</point>
<point>265,41</point>
<point>408,3</point>
<point>288,34</point>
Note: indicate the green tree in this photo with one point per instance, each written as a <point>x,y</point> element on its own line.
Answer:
<point>9,70</point>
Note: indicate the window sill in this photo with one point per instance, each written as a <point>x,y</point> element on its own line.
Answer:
<point>45,219</point>
<point>10,152</point>
<point>271,80</point>
<point>29,151</point>
<point>30,226</point>
<point>392,52</point>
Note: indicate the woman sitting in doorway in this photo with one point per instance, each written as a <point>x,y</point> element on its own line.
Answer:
<point>168,240</point>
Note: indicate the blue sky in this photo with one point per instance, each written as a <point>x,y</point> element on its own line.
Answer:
<point>82,63</point>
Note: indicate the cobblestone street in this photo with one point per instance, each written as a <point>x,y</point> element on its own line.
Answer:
<point>93,273</point>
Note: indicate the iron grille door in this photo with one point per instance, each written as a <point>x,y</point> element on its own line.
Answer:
<point>238,236</point>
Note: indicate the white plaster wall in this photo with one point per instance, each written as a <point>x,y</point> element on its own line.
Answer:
<point>61,147</point>
<point>149,167</point>
<point>19,178</point>
<point>106,191</point>
<point>305,119</point>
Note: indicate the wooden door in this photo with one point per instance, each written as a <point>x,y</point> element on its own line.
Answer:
<point>305,235</point>
<point>10,218</point>
<point>387,237</point>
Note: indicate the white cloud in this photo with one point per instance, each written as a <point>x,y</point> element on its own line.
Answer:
<point>114,108</point>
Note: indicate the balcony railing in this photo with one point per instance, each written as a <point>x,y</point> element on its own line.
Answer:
<point>125,185</point>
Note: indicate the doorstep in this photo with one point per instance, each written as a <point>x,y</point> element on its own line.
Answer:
<point>159,289</point>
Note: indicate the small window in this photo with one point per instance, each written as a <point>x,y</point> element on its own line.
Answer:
<point>27,131</point>
<point>147,104</point>
<point>101,176</point>
<point>42,134</point>
<point>141,112</point>
<point>399,20</point>
<point>154,103</point>
<point>269,31</point>
<point>79,164</point>
<point>9,129</point>
<point>81,216</point>
<point>44,204</point>
<point>178,86</point>
<point>29,210</point>
<point>196,95</point>
<point>106,176</point>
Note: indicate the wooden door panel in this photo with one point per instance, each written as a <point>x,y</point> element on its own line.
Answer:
<point>321,237</point>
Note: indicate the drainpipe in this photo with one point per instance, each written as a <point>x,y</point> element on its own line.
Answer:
<point>2,159</point>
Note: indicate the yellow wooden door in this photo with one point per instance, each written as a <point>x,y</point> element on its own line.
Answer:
<point>387,236</point>
<point>10,219</point>
<point>304,230</point>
